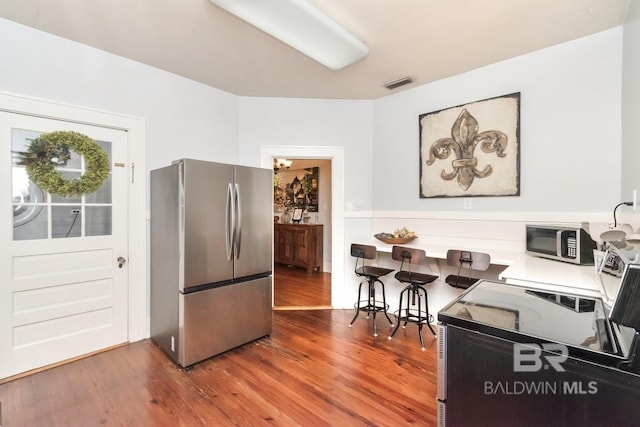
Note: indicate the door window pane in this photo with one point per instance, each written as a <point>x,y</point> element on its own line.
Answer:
<point>103,195</point>
<point>98,220</point>
<point>33,228</point>
<point>27,198</point>
<point>31,205</point>
<point>66,221</point>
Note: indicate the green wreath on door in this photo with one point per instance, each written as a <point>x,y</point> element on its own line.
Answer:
<point>54,149</point>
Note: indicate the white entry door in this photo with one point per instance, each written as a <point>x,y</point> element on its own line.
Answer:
<point>63,291</point>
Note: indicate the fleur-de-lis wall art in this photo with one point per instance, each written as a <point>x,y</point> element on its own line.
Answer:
<point>471,150</point>
<point>463,142</point>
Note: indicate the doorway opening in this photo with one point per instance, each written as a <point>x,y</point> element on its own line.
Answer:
<point>302,234</point>
<point>331,207</point>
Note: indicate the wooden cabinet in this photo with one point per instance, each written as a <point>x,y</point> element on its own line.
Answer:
<point>299,245</point>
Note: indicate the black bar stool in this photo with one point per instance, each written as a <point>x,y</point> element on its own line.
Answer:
<point>372,276</point>
<point>411,307</point>
<point>478,261</point>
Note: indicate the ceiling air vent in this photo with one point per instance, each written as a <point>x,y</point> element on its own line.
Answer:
<point>397,83</point>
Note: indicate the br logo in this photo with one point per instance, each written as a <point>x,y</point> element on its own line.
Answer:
<point>530,357</point>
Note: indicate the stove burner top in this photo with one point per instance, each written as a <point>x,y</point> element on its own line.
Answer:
<point>570,319</point>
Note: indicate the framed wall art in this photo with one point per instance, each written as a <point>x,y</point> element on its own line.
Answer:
<point>296,189</point>
<point>471,149</point>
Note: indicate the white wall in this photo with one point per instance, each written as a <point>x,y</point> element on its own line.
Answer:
<point>631,104</point>
<point>313,122</point>
<point>569,129</point>
<point>570,152</point>
<point>317,123</point>
<point>183,118</point>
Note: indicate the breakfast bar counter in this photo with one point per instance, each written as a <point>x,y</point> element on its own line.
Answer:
<point>521,268</point>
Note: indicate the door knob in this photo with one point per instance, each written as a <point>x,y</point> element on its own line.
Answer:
<point>121,261</point>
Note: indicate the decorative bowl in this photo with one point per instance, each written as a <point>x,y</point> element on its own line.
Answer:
<point>388,238</point>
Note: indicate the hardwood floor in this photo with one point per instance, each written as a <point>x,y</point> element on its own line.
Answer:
<point>313,370</point>
<point>296,288</point>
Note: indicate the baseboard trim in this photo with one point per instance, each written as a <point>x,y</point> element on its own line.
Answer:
<point>302,307</point>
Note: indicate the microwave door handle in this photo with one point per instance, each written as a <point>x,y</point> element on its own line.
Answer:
<point>559,242</point>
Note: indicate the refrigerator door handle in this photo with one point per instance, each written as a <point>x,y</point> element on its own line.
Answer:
<point>229,221</point>
<point>181,225</point>
<point>238,223</point>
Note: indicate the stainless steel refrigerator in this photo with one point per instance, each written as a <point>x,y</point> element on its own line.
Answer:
<point>211,257</point>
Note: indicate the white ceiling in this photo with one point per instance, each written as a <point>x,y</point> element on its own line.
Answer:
<point>425,39</point>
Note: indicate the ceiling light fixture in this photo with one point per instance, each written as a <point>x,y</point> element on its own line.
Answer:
<point>302,26</point>
<point>281,164</point>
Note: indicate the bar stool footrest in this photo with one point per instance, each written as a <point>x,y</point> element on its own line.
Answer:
<point>365,305</point>
<point>413,317</point>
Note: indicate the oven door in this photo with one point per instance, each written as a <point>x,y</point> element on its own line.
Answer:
<point>488,373</point>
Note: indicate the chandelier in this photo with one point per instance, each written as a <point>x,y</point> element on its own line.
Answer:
<point>281,164</point>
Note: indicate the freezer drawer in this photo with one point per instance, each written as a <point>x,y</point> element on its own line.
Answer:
<point>219,319</point>
<point>206,323</point>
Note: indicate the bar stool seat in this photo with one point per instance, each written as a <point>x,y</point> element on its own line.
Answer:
<point>414,295</point>
<point>478,261</point>
<point>372,274</point>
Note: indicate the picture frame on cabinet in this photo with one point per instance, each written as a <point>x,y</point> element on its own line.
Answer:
<point>297,215</point>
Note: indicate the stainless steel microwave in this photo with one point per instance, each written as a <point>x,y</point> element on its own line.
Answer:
<point>560,243</point>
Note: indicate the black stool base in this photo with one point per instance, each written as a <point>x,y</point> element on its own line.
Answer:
<point>409,314</point>
<point>371,305</point>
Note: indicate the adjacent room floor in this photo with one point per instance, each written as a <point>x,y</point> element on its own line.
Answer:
<point>296,288</point>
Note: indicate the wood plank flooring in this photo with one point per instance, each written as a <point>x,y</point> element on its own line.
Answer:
<point>313,370</point>
<point>296,288</point>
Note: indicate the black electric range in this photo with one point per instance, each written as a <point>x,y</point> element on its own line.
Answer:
<point>529,356</point>
<point>538,316</point>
